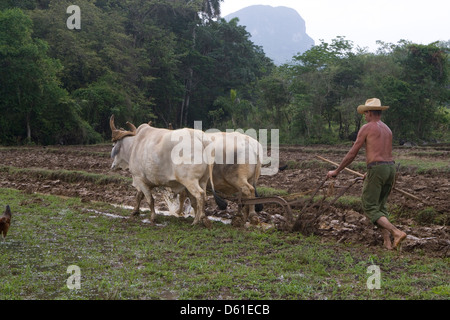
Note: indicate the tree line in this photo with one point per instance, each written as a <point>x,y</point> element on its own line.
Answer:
<point>176,61</point>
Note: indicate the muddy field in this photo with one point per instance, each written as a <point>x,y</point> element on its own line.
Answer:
<point>83,171</point>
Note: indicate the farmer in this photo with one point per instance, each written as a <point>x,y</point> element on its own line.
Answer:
<point>380,175</point>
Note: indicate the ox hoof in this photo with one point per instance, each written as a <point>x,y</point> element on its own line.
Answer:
<point>135,213</point>
<point>237,221</point>
<point>207,223</point>
<point>254,220</point>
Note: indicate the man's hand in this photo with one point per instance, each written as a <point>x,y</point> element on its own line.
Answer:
<point>332,174</point>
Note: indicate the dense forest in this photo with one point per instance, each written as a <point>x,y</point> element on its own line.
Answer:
<point>176,62</point>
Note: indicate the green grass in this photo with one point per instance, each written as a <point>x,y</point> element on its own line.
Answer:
<point>130,259</point>
<point>411,165</point>
<point>270,192</point>
<point>424,166</point>
<point>428,153</point>
<point>65,151</point>
<point>70,176</point>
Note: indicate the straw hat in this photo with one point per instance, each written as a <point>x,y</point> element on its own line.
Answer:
<point>371,104</point>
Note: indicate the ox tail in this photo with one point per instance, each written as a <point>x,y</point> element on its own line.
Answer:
<point>259,206</point>
<point>221,203</point>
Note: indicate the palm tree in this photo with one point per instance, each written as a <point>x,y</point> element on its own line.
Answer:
<point>209,9</point>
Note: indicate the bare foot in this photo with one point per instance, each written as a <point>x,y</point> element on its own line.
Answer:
<point>388,245</point>
<point>398,235</point>
<point>398,238</point>
<point>386,239</point>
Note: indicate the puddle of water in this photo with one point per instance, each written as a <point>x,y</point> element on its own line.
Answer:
<point>107,214</point>
<point>217,219</point>
<point>188,212</point>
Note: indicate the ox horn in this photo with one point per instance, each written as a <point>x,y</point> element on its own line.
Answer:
<point>132,127</point>
<point>120,134</point>
<point>111,124</point>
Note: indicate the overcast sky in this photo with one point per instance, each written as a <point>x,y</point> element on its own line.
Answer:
<point>365,21</point>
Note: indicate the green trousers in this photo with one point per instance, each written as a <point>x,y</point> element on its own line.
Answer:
<point>376,189</point>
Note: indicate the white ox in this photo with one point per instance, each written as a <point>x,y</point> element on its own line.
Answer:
<point>148,153</point>
<point>237,167</point>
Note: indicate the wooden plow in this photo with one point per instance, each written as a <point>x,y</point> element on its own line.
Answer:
<point>298,201</point>
<point>291,201</point>
<point>295,201</point>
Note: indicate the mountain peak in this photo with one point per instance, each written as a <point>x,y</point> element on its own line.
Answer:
<point>281,31</point>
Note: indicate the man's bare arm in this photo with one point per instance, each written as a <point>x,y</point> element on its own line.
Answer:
<point>351,155</point>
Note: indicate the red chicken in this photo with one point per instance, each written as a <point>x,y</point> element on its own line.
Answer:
<point>5,222</point>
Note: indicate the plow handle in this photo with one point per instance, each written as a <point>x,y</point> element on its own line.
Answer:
<point>337,165</point>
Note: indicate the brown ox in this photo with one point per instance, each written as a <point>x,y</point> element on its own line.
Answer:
<point>237,166</point>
